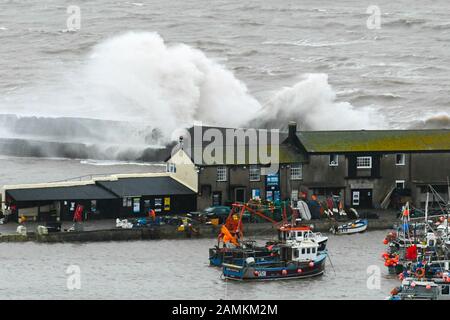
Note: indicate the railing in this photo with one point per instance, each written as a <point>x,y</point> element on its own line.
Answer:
<point>88,176</point>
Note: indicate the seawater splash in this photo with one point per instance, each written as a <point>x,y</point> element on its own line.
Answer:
<point>439,121</point>
<point>134,90</point>
<point>137,77</point>
<point>313,103</point>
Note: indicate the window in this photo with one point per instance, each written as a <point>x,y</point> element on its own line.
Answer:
<point>93,205</point>
<point>334,160</point>
<point>296,171</point>
<point>136,205</point>
<point>171,167</point>
<point>364,162</point>
<point>126,202</point>
<point>158,204</point>
<point>355,198</point>
<point>221,173</point>
<point>400,159</point>
<point>400,184</point>
<point>254,173</point>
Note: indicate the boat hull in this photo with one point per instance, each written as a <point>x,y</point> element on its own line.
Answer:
<point>275,270</point>
<point>360,226</point>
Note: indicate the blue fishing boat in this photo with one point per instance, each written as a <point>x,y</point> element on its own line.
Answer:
<point>294,260</point>
<point>232,249</point>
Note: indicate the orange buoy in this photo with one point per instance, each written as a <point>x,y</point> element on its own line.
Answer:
<point>420,273</point>
<point>284,272</point>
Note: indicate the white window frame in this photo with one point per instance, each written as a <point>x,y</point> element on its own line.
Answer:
<point>296,171</point>
<point>254,173</point>
<point>171,167</point>
<point>221,174</point>
<point>364,159</point>
<point>335,164</point>
<point>401,163</point>
<point>356,197</point>
<point>402,182</point>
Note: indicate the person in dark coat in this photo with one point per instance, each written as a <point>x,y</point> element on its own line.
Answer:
<point>314,207</point>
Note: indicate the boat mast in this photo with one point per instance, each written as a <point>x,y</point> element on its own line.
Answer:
<point>426,212</point>
<point>448,204</point>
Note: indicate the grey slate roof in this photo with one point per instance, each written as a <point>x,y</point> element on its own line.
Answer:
<point>146,186</point>
<point>83,192</point>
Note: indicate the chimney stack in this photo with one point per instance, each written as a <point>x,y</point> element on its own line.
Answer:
<point>292,129</point>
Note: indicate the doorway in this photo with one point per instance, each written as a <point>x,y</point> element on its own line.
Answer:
<point>362,198</point>
<point>239,195</point>
<point>216,198</point>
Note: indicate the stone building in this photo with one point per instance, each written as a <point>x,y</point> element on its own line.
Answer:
<point>365,168</point>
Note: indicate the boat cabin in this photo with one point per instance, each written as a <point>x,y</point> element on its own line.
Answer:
<point>299,251</point>
<point>295,233</point>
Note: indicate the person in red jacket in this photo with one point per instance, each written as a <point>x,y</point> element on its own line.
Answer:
<point>152,215</point>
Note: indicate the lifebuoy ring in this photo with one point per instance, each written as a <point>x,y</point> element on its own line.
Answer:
<point>420,273</point>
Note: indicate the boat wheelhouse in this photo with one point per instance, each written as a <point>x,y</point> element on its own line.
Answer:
<point>300,233</point>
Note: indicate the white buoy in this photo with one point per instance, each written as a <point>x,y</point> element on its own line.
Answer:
<point>22,230</point>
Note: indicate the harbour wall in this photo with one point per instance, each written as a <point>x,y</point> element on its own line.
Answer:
<point>170,232</point>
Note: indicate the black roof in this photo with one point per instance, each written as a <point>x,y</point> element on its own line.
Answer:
<point>146,186</point>
<point>83,192</point>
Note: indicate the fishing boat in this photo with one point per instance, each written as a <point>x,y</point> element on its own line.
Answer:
<point>356,226</point>
<point>294,260</point>
<point>231,246</point>
<point>419,253</point>
<point>415,289</point>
